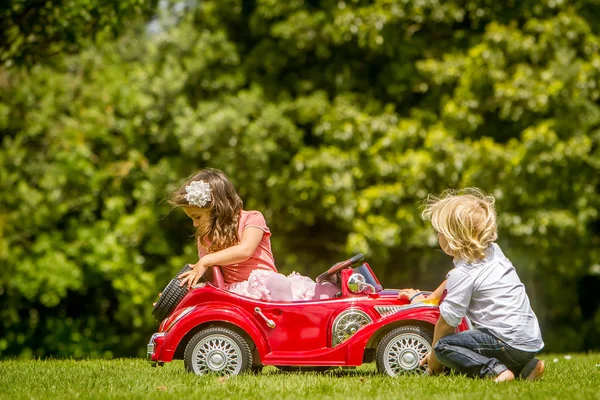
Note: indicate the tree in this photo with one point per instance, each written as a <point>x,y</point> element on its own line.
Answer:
<point>336,119</point>
<point>39,30</point>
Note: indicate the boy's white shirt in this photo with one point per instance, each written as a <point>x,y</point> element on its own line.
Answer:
<point>490,293</point>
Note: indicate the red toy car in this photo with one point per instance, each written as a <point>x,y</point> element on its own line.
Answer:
<point>216,331</point>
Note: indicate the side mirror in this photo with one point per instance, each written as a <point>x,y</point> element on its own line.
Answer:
<point>357,284</point>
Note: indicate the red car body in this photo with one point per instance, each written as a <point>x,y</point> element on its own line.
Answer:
<point>343,331</point>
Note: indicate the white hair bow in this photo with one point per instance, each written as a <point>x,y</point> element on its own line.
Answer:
<point>198,193</point>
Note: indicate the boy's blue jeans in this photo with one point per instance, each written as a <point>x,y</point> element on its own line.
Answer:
<point>479,353</point>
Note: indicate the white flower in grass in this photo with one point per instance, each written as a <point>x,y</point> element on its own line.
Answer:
<point>567,357</point>
<point>555,360</point>
<point>198,193</point>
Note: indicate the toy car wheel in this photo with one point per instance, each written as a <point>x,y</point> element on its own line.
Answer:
<point>402,349</point>
<point>171,296</point>
<point>217,350</point>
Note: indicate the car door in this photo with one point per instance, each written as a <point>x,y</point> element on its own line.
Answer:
<point>299,326</point>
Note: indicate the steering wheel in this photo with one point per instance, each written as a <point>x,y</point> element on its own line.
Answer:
<point>339,266</point>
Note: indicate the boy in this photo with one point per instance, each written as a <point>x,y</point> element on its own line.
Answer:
<point>485,288</point>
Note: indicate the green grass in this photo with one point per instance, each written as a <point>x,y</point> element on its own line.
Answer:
<point>575,378</point>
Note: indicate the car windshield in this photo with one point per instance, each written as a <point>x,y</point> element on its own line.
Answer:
<point>365,271</point>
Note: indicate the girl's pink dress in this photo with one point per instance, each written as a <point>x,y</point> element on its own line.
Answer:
<point>247,278</point>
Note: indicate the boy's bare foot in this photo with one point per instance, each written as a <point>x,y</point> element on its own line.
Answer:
<point>537,372</point>
<point>505,376</point>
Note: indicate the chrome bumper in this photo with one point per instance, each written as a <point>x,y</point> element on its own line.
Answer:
<point>151,345</point>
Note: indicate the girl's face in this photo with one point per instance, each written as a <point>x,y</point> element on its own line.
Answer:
<point>444,244</point>
<point>200,216</point>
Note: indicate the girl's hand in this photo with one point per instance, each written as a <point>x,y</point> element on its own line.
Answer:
<point>154,304</point>
<point>190,278</point>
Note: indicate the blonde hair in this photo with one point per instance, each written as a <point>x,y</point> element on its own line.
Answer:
<point>225,207</point>
<point>466,218</point>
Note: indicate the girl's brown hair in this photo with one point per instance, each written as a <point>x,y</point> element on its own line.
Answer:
<point>467,219</point>
<point>225,207</point>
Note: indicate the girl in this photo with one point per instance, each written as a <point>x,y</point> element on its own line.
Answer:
<point>484,287</point>
<point>236,240</point>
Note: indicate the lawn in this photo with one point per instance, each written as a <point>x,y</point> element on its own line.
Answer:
<point>566,377</point>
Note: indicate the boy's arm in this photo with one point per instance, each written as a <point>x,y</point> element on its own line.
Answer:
<point>437,293</point>
<point>442,328</point>
<point>251,237</point>
<point>452,310</point>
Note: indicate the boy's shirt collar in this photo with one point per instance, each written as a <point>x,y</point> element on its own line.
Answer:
<point>490,253</point>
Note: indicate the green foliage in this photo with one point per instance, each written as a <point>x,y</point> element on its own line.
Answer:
<point>35,31</point>
<point>335,119</point>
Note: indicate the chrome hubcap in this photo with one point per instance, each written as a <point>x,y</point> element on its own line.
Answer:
<point>216,360</point>
<point>217,354</point>
<point>409,358</point>
<point>404,352</point>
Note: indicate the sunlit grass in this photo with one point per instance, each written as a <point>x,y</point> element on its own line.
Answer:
<point>574,378</point>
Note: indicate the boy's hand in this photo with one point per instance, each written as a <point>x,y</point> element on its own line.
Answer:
<point>434,367</point>
<point>408,294</point>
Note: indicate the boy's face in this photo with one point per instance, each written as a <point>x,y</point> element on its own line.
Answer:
<point>444,244</point>
<point>200,216</point>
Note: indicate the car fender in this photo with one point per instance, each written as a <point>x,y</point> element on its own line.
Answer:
<point>359,341</point>
<point>213,312</point>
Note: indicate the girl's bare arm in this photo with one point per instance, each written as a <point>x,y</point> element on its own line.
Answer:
<point>242,251</point>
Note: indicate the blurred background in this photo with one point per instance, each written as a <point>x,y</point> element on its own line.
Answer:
<point>333,118</point>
